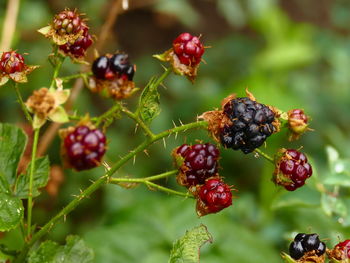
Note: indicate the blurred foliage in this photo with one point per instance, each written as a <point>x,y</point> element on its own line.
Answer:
<point>291,54</point>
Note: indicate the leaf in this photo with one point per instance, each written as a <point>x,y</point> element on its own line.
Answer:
<point>303,197</point>
<point>186,249</point>
<point>148,107</point>
<point>337,179</point>
<point>332,205</point>
<point>12,144</point>
<point>74,251</point>
<point>11,212</point>
<point>40,178</point>
<point>59,115</point>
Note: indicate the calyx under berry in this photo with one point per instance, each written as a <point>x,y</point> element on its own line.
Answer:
<point>185,55</point>
<point>291,169</point>
<point>114,73</point>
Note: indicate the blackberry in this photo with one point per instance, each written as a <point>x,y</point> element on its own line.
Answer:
<point>79,47</point>
<point>198,162</point>
<point>213,196</point>
<point>249,126</point>
<point>292,169</point>
<point>113,67</point>
<point>304,243</point>
<point>84,147</point>
<point>68,22</point>
<point>11,62</point>
<point>188,49</point>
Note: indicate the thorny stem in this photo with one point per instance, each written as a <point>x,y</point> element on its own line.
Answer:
<point>112,111</point>
<point>20,100</point>
<point>31,176</point>
<point>137,119</point>
<point>265,155</point>
<point>147,181</point>
<point>104,180</point>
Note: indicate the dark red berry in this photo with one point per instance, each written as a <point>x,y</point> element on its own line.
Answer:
<point>188,49</point>
<point>306,243</point>
<point>199,163</point>
<point>68,22</point>
<point>11,62</point>
<point>214,196</point>
<point>79,47</point>
<point>250,125</point>
<point>294,167</point>
<point>344,248</point>
<point>85,147</point>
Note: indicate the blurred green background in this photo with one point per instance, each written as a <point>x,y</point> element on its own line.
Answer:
<point>289,53</point>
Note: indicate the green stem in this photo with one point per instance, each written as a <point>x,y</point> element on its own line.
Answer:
<point>163,76</point>
<point>57,69</point>
<point>31,176</point>
<point>112,111</point>
<point>135,117</point>
<point>75,76</point>
<point>102,181</point>
<point>20,101</point>
<point>265,155</point>
<point>147,181</point>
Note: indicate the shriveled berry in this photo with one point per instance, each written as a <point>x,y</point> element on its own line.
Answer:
<point>292,169</point>
<point>79,47</point>
<point>199,163</point>
<point>11,62</point>
<point>188,49</point>
<point>251,124</point>
<point>213,196</point>
<point>84,147</point>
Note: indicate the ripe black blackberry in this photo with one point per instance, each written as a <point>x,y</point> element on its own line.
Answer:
<point>249,126</point>
<point>304,243</point>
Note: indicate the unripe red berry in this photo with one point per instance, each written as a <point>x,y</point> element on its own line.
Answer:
<point>340,252</point>
<point>213,196</point>
<point>68,22</point>
<point>188,49</point>
<point>196,163</point>
<point>297,123</point>
<point>84,147</point>
<point>79,47</point>
<point>292,169</point>
<point>11,62</point>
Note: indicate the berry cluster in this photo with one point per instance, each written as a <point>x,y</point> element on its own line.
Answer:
<point>200,161</point>
<point>292,169</point>
<point>79,47</point>
<point>68,22</point>
<point>250,123</point>
<point>198,171</point>
<point>84,147</point>
<point>113,67</point>
<point>188,49</point>
<point>340,252</point>
<point>11,62</point>
<point>309,244</point>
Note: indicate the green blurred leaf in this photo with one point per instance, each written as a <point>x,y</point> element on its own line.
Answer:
<point>40,179</point>
<point>11,212</point>
<point>303,197</point>
<point>148,107</point>
<point>337,179</point>
<point>74,251</point>
<point>333,205</point>
<point>186,249</point>
<point>12,144</point>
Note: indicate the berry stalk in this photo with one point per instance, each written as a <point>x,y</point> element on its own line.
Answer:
<point>76,76</point>
<point>108,114</point>
<point>102,181</point>
<point>31,176</point>
<point>135,117</point>
<point>265,155</point>
<point>57,69</point>
<point>20,101</point>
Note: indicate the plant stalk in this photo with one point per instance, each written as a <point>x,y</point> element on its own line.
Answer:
<point>20,101</point>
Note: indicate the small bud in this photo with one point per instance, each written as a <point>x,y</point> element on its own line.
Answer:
<point>297,123</point>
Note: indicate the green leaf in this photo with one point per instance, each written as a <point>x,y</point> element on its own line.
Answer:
<point>74,251</point>
<point>333,205</point>
<point>303,197</point>
<point>186,249</point>
<point>12,144</point>
<point>337,179</point>
<point>148,107</point>
<point>11,212</point>
<point>40,179</point>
